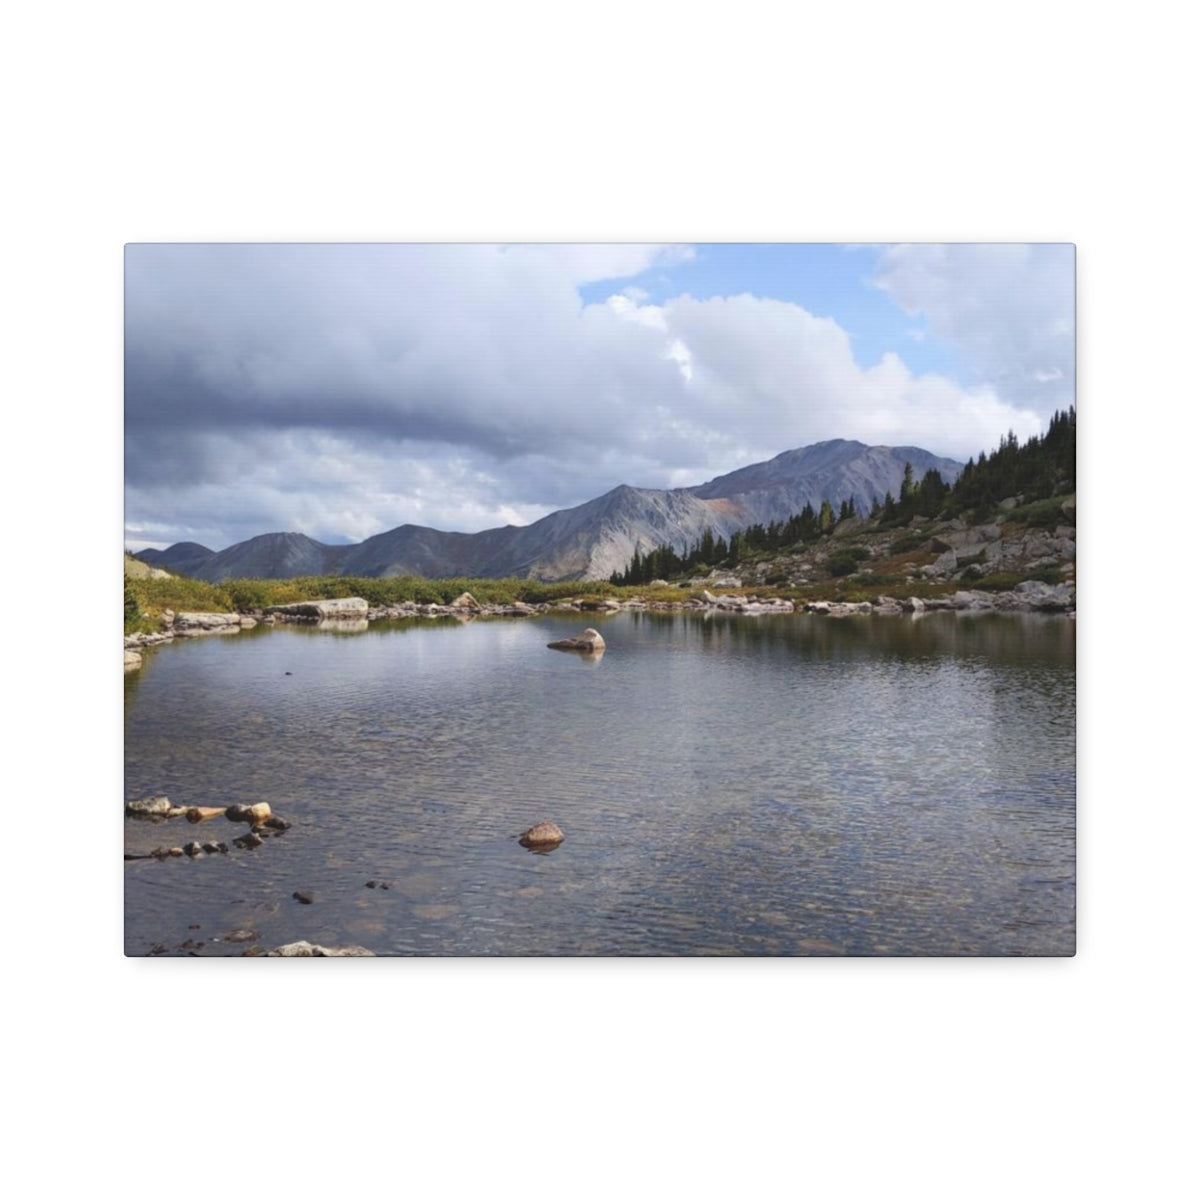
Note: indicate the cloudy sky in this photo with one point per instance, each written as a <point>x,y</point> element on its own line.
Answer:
<point>342,390</point>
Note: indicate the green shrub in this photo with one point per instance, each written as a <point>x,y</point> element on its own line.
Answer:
<point>1005,581</point>
<point>1042,514</point>
<point>845,561</point>
<point>910,541</point>
<point>132,611</point>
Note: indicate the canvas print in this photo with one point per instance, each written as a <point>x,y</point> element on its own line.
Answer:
<point>599,600</point>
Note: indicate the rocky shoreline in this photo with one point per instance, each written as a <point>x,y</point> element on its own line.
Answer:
<point>349,615</point>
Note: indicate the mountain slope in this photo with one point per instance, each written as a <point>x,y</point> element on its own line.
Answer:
<point>593,539</point>
<point>183,558</point>
<point>273,556</point>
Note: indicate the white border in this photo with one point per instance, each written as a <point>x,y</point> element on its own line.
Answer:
<point>532,121</point>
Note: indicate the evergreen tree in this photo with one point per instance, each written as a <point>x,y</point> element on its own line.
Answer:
<point>825,522</point>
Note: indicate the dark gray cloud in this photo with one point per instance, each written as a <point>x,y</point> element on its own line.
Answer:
<point>342,390</point>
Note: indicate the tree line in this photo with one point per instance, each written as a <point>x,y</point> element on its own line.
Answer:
<point>1040,469</point>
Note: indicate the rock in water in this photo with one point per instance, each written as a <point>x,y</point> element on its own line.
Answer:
<point>542,836</point>
<point>153,806</point>
<point>198,813</point>
<point>310,950</point>
<point>589,641</point>
<point>249,814</point>
<point>258,813</point>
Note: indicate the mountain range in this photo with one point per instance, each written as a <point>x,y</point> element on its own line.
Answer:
<point>590,541</point>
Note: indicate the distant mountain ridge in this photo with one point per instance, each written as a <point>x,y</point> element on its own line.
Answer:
<point>591,540</point>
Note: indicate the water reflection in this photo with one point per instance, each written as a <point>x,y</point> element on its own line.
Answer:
<point>768,785</point>
<point>341,625</point>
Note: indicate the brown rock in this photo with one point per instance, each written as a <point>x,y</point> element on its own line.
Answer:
<point>198,813</point>
<point>541,836</point>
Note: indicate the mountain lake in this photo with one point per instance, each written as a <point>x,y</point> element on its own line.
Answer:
<point>727,785</point>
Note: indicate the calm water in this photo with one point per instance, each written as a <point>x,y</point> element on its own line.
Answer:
<point>776,785</point>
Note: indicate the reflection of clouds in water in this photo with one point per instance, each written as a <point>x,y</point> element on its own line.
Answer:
<point>768,786</point>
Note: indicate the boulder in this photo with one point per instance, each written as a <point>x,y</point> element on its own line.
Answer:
<point>152,806</point>
<point>966,541</point>
<point>589,641</point>
<point>133,660</point>
<point>970,600</point>
<point>316,610</point>
<point>466,602</point>
<point>1045,597</point>
<point>310,950</point>
<point>206,622</point>
<point>249,814</point>
<point>544,834</point>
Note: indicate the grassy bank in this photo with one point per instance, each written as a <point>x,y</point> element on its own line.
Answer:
<point>147,599</point>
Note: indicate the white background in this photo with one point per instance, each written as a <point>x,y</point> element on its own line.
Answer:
<point>526,121</point>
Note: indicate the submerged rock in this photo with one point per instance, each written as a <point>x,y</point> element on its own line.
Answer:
<point>589,641</point>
